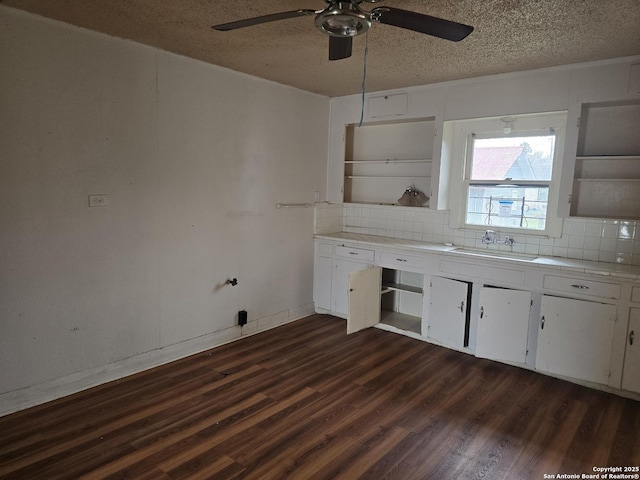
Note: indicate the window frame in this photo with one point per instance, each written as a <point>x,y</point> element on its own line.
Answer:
<point>492,127</point>
<point>509,181</point>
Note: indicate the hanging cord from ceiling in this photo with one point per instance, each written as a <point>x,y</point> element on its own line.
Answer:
<point>364,75</point>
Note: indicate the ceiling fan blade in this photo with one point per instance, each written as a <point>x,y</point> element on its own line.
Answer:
<point>418,22</point>
<point>249,22</point>
<point>340,47</point>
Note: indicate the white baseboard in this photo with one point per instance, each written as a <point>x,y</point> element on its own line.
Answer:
<point>14,401</point>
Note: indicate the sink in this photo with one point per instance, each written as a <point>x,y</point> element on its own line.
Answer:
<point>496,254</point>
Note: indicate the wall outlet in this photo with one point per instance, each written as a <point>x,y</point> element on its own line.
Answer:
<point>98,200</point>
<point>242,317</point>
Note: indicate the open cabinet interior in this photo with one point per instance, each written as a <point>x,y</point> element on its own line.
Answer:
<point>385,296</point>
<point>401,300</point>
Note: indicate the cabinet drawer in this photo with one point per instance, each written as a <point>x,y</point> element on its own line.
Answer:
<point>359,253</point>
<point>582,287</point>
<point>635,294</point>
<point>402,260</point>
<point>324,249</point>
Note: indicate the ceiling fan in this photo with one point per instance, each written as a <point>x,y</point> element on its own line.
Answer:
<point>344,20</point>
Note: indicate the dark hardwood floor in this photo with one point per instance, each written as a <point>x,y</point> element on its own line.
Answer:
<point>305,401</point>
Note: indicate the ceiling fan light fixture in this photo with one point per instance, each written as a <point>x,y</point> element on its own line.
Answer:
<point>343,19</point>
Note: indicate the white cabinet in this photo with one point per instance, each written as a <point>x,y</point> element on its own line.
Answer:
<point>503,324</point>
<point>397,296</point>
<point>402,261</point>
<point>384,296</point>
<point>346,260</point>
<point>322,282</point>
<point>524,317</point>
<point>322,273</point>
<point>383,159</point>
<point>364,299</point>
<point>631,370</point>
<point>449,312</point>
<point>581,286</point>
<point>575,338</point>
<point>635,294</point>
<point>340,284</point>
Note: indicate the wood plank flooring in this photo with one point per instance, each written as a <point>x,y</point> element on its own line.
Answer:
<point>305,401</point>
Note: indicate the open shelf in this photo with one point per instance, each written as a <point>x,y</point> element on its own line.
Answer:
<point>380,176</point>
<point>608,157</point>
<point>383,160</point>
<point>607,169</point>
<point>401,321</point>
<point>398,287</point>
<point>381,190</point>
<point>606,198</point>
<point>612,180</point>
<point>389,161</point>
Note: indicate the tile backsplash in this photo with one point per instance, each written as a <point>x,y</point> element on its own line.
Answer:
<point>614,241</point>
<point>328,217</point>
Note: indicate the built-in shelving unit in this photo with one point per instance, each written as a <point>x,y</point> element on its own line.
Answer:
<point>382,160</point>
<point>398,287</point>
<point>607,170</point>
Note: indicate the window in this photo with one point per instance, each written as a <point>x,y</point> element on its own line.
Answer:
<point>509,175</point>
<point>508,180</point>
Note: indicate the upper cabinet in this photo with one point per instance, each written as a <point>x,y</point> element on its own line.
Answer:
<point>382,160</point>
<point>607,169</point>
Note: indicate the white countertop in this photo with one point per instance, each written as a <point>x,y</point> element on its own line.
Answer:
<point>629,272</point>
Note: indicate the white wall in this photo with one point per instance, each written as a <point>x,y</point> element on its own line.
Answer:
<point>193,159</point>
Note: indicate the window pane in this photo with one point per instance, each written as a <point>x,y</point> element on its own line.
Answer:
<point>507,206</point>
<point>518,158</point>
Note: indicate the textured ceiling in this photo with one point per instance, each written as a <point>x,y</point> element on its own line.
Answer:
<point>510,35</point>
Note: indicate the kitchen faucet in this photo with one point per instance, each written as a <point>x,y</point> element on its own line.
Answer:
<point>490,237</point>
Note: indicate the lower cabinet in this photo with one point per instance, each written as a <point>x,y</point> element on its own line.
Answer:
<point>449,312</point>
<point>631,369</point>
<point>575,338</point>
<point>322,273</point>
<point>387,296</point>
<point>503,324</point>
<point>363,299</point>
<point>340,283</point>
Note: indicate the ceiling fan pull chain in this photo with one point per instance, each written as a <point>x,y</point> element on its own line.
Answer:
<point>364,76</point>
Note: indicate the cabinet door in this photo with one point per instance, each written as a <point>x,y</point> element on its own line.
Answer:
<point>575,338</point>
<point>448,312</point>
<point>503,324</point>
<point>340,284</point>
<point>322,282</point>
<point>364,299</point>
<point>631,372</point>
